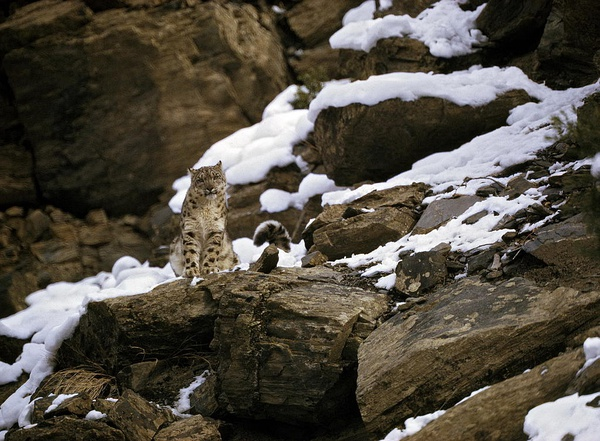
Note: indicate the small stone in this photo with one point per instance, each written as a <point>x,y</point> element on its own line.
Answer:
<point>313,259</point>
<point>494,275</point>
<point>15,212</point>
<point>98,234</point>
<point>97,217</point>
<point>139,419</point>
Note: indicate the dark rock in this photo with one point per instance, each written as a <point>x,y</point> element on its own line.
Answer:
<point>281,340</point>
<point>314,21</point>
<point>138,419</point>
<point>498,413</point>
<point>204,398</point>
<point>16,176</point>
<point>95,144</point>
<point>79,405</point>
<point>514,25</point>
<point>114,333</point>
<point>441,211</point>
<point>487,331</point>
<point>363,233</point>
<point>420,272</point>
<point>570,44</point>
<point>267,261</point>
<point>161,380</point>
<point>359,142</point>
<point>10,348</point>
<point>561,244</point>
<point>68,429</point>
<point>196,428</point>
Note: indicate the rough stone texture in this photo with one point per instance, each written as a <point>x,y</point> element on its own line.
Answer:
<point>364,232</point>
<point>421,271</point>
<point>400,55</point>
<point>314,21</point>
<point>468,335</point>
<point>16,176</point>
<point>196,428</point>
<point>441,211</point>
<point>43,246</point>
<point>561,244</point>
<point>267,261</point>
<point>359,142</point>
<point>498,413</point>
<point>400,197</point>
<point>567,55</point>
<point>200,73</point>
<point>282,344</point>
<point>161,380</point>
<point>138,419</point>
<point>513,24</point>
<point>118,332</point>
<point>68,429</point>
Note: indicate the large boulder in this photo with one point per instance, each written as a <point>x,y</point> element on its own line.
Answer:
<point>287,344</point>
<point>114,333</point>
<point>98,130</point>
<point>468,335</point>
<point>359,142</point>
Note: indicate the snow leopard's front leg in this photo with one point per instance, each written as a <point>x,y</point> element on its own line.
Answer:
<point>191,253</point>
<point>212,252</point>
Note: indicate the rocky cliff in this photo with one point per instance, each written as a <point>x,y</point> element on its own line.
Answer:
<point>405,293</point>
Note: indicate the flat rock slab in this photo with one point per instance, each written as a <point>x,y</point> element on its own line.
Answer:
<point>468,335</point>
<point>287,344</point>
<point>441,211</point>
<point>498,413</point>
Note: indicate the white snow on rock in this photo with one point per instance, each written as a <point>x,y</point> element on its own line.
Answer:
<point>446,29</point>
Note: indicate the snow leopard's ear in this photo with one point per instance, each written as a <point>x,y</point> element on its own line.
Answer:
<point>220,164</point>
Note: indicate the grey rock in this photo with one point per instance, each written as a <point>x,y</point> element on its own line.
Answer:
<point>441,211</point>
<point>196,428</point>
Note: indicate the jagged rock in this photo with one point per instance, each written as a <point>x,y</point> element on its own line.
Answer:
<point>513,25</point>
<point>421,271</point>
<point>196,428</point>
<point>267,261</point>
<point>561,244</point>
<point>99,143</point>
<point>410,7</point>
<point>321,59</point>
<point>359,142</point>
<point>498,413</point>
<point>364,232</point>
<point>441,211</point>
<point>402,196</point>
<point>282,344</point>
<point>313,259</point>
<point>161,380</point>
<point>314,21</point>
<point>115,333</point>
<point>467,335</point>
<point>204,398</point>
<point>68,429</point>
<point>79,405</point>
<point>138,419</point>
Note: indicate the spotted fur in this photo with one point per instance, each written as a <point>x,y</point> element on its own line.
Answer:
<point>203,246</point>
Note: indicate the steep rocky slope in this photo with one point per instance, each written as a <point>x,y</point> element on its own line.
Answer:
<point>414,286</point>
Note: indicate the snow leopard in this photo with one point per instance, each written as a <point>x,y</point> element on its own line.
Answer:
<point>203,245</point>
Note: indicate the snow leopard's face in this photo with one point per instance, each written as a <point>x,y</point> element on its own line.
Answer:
<point>208,181</point>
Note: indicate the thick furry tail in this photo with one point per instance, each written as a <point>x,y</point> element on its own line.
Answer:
<point>273,232</point>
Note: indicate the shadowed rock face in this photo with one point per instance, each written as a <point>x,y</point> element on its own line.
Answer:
<point>359,142</point>
<point>105,98</point>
